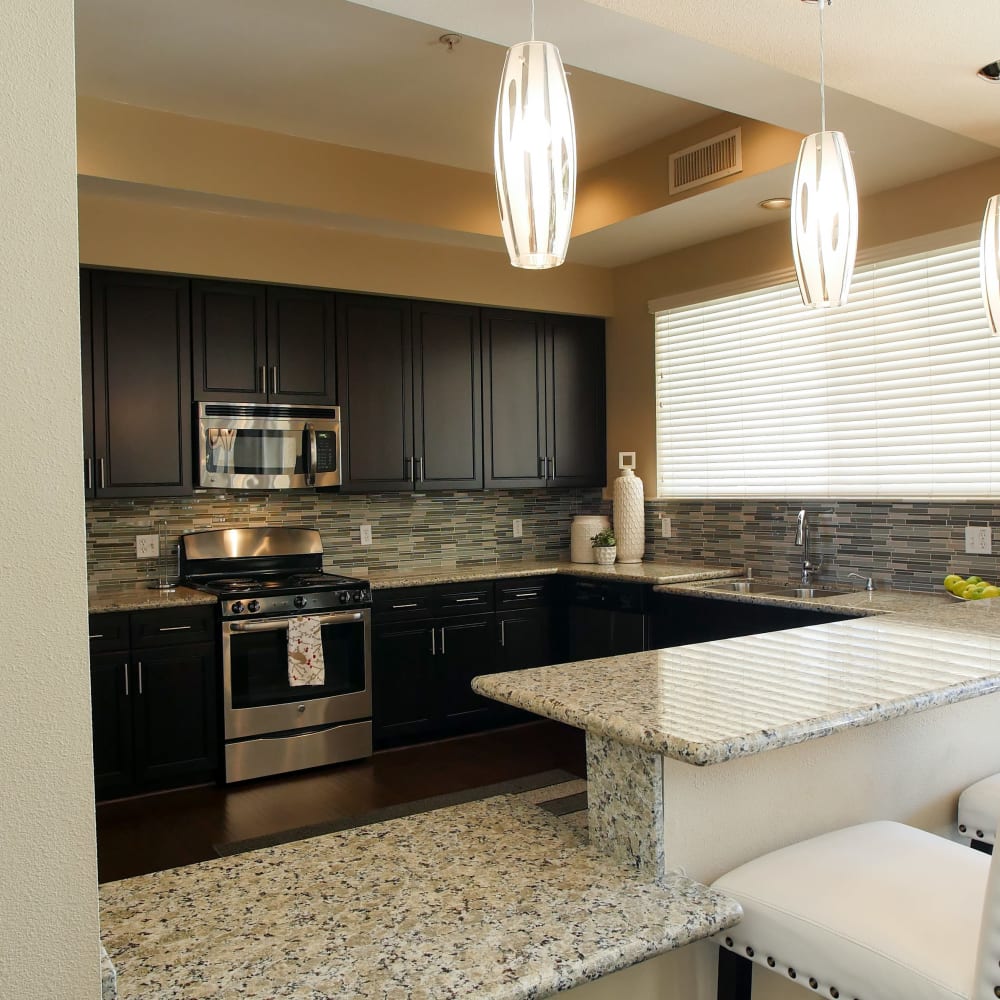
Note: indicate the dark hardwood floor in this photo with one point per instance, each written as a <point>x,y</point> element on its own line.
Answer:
<point>154,832</point>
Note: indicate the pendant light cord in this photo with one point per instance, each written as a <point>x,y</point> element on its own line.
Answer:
<point>822,69</point>
<point>532,20</point>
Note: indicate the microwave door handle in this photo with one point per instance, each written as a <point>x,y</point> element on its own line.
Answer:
<point>313,456</point>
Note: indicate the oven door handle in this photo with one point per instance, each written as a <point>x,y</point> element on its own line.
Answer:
<point>279,624</point>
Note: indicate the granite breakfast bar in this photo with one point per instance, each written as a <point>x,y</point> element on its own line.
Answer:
<point>702,757</point>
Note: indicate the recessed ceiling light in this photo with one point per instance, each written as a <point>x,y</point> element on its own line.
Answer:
<point>990,72</point>
<point>450,40</point>
<point>775,204</point>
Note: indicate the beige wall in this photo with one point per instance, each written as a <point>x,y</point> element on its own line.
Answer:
<point>929,206</point>
<point>123,232</point>
<point>48,905</point>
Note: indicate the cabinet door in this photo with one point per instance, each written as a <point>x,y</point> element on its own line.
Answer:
<point>513,399</point>
<point>404,690</point>
<point>575,409</point>
<point>111,690</point>
<point>467,648</point>
<point>142,384</point>
<point>176,725</point>
<point>301,346</point>
<point>87,372</point>
<point>229,346</point>
<point>447,397</point>
<point>525,639</point>
<point>376,393</point>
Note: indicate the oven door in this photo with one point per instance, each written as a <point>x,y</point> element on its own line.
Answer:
<point>259,700</point>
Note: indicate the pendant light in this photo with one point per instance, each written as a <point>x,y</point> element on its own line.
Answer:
<point>989,262</point>
<point>824,209</point>
<point>534,154</point>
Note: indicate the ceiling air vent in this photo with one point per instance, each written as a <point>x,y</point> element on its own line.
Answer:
<point>717,157</point>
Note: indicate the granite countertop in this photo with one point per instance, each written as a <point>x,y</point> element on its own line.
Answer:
<point>715,701</point>
<point>494,899</point>
<point>857,602</point>
<point>644,572</point>
<point>140,597</point>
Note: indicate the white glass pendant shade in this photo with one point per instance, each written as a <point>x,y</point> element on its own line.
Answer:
<point>989,262</point>
<point>534,156</point>
<point>824,219</point>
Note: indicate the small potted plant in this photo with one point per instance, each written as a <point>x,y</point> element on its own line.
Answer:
<point>605,546</point>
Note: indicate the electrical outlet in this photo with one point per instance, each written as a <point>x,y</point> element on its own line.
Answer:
<point>518,527</point>
<point>147,546</point>
<point>978,541</point>
<point>366,534</point>
<point>665,530</point>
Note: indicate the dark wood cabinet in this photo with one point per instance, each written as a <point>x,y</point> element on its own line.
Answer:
<point>427,645</point>
<point>139,366</point>
<point>154,704</point>
<point>257,343</point>
<point>410,378</point>
<point>680,619</point>
<point>447,397</point>
<point>543,400</point>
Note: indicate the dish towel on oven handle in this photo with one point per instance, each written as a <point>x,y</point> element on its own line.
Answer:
<point>305,652</point>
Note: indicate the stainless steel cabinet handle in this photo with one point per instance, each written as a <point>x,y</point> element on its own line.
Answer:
<point>434,642</point>
<point>466,600</point>
<point>90,473</point>
<point>400,607</point>
<point>274,379</point>
<point>176,628</point>
<point>442,640</point>
<point>101,636</point>
<point>530,593</point>
<point>543,464</point>
<point>262,384</point>
<point>552,467</point>
<point>503,636</point>
<point>125,665</point>
<point>409,467</point>
<point>100,472</point>
<point>420,467</point>
<point>139,665</point>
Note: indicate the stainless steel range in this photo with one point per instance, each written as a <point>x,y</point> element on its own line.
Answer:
<point>265,578</point>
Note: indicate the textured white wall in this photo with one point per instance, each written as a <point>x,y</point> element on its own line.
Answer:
<point>48,881</point>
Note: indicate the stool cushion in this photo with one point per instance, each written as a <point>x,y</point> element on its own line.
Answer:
<point>880,911</point>
<point>978,808</point>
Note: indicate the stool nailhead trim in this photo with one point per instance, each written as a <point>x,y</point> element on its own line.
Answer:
<point>770,961</point>
<point>961,828</point>
<point>813,983</point>
<point>792,974</point>
<point>749,952</point>
<point>834,992</point>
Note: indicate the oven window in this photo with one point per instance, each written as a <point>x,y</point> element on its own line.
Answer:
<point>253,452</point>
<point>259,666</point>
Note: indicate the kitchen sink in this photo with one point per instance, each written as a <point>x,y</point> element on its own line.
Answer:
<point>738,586</point>
<point>802,592</point>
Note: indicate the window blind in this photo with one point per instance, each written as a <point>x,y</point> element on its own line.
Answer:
<point>890,396</point>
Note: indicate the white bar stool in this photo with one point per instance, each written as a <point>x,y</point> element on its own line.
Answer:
<point>880,911</point>
<point>977,812</point>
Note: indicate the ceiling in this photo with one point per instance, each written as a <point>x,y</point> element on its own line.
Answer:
<point>372,74</point>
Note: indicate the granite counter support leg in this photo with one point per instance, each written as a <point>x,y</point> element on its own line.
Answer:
<point>625,803</point>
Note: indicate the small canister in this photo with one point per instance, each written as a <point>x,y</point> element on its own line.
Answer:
<point>583,529</point>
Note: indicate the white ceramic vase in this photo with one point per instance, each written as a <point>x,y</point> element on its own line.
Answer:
<point>604,555</point>
<point>629,511</point>
<point>581,533</point>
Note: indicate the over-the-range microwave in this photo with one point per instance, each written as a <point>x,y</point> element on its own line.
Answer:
<point>261,446</point>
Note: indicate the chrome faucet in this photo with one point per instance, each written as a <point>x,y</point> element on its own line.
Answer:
<point>802,538</point>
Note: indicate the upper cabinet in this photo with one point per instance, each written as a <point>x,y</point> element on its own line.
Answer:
<point>137,384</point>
<point>410,387</point>
<point>256,343</point>
<point>543,400</point>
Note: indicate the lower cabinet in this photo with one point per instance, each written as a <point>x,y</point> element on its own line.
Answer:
<point>154,699</point>
<point>680,619</point>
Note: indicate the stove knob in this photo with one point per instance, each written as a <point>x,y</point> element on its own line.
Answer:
<point>344,596</point>
<point>299,602</point>
<point>237,608</point>
<point>253,606</point>
<point>359,595</point>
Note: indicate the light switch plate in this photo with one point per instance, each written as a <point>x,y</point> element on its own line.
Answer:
<point>147,546</point>
<point>366,534</point>
<point>978,540</point>
<point>518,527</point>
